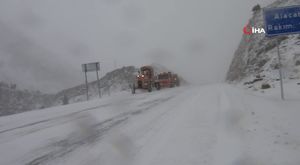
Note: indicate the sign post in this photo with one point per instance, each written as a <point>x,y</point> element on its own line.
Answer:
<point>281,21</point>
<point>98,81</point>
<point>89,67</point>
<point>86,83</point>
<point>280,71</point>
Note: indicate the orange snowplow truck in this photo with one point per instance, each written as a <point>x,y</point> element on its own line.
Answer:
<point>145,80</point>
<point>167,79</point>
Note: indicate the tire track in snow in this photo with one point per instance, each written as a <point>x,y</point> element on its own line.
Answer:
<point>52,119</point>
<point>16,132</point>
<point>63,147</point>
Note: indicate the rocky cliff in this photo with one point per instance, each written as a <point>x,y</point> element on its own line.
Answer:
<point>256,59</point>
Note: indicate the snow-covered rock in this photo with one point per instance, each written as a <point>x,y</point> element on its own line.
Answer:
<point>255,61</point>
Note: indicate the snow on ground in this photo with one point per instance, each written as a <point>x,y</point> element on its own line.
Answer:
<point>213,124</point>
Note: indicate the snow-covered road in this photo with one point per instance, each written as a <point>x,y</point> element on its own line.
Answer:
<point>212,124</point>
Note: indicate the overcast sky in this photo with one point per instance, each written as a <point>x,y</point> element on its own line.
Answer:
<point>44,42</point>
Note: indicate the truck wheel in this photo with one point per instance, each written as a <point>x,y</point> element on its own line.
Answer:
<point>157,85</point>
<point>133,89</point>
<point>150,89</point>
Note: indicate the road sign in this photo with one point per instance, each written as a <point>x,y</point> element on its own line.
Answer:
<point>284,20</point>
<point>278,21</point>
<point>89,67</point>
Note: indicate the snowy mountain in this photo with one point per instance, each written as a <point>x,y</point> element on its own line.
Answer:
<point>255,61</point>
<point>14,100</point>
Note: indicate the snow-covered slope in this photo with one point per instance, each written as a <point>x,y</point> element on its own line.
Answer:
<point>255,61</point>
<point>14,100</point>
<point>114,81</point>
<point>215,125</point>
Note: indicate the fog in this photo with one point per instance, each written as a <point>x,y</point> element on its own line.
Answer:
<point>44,42</point>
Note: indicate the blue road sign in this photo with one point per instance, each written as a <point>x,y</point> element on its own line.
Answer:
<point>284,20</point>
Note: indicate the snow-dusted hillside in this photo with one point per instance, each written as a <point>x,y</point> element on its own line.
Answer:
<point>14,100</point>
<point>255,61</point>
<point>114,81</point>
